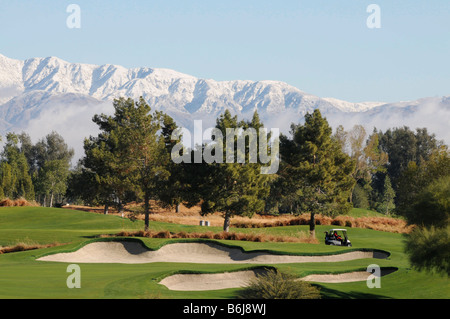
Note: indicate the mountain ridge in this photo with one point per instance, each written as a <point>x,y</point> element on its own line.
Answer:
<point>38,95</point>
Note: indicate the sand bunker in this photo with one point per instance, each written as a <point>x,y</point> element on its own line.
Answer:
<point>239,279</point>
<point>133,252</point>
<point>199,282</point>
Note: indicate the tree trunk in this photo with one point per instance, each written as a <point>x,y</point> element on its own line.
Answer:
<point>105,211</point>
<point>312,226</point>
<point>177,208</point>
<point>121,208</point>
<point>51,200</point>
<point>226,223</point>
<point>146,209</point>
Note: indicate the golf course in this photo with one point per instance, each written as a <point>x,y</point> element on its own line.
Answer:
<point>113,267</point>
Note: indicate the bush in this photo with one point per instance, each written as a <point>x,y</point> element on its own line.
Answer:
<point>18,202</point>
<point>276,285</point>
<point>429,249</point>
<point>300,237</point>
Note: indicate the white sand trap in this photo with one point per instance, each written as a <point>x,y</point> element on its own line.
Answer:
<point>239,279</point>
<point>346,277</point>
<point>132,252</point>
<point>199,282</point>
<point>337,278</point>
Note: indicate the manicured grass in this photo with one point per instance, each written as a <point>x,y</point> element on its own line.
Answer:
<point>21,276</point>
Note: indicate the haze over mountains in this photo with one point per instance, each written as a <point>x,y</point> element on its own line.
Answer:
<point>39,95</point>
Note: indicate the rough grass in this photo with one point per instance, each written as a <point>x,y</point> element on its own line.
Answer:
<point>302,237</point>
<point>6,202</point>
<point>191,216</point>
<point>24,246</point>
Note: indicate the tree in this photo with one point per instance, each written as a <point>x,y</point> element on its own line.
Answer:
<point>175,189</point>
<point>129,156</point>
<point>431,207</point>
<point>14,172</point>
<point>403,146</point>
<point>426,203</point>
<point>83,187</point>
<point>369,159</point>
<point>147,155</point>
<point>341,136</point>
<point>387,204</point>
<point>428,249</point>
<point>8,180</point>
<point>53,178</point>
<point>417,177</point>
<point>320,170</point>
<point>232,188</point>
<point>51,159</point>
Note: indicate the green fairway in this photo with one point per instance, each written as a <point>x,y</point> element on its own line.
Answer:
<point>21,276</point>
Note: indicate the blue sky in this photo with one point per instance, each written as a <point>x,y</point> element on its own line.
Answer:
<point>323,47</point>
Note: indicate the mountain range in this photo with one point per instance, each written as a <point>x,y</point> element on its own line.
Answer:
<point>39,95</point>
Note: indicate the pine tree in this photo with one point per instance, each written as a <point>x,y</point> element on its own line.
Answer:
<point>173,191</point>
<point>129,156</point>
<point>316,168</point>
<point>232,188</point>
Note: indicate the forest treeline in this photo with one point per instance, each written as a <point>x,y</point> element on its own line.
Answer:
<point>399,171</point>
<point>320,171</point>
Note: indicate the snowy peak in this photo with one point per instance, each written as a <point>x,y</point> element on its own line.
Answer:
<point>160,86</point>
<point>39,95</point>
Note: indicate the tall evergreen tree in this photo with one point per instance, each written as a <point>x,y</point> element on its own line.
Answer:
<point>317,169</point>
<point>129,155</point>
<point>173,191</point>
<point>228,186</point>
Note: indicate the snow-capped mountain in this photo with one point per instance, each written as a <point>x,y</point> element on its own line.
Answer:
<point>43,94</point>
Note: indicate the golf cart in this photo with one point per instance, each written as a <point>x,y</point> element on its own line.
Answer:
<point>337,237</point>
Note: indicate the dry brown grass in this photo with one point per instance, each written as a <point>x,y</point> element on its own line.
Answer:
<point>191,216</point>
<point>301,238</point>
<point>18,202</point>
<point>23,246</point>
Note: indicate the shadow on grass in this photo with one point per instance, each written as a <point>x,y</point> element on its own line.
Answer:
<point>328,293</point>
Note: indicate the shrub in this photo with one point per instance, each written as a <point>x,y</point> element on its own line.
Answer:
<point>429,248</point>
<point>6,202</point>
<point>276,285</point>
<point>301,237</point>
<point>163,234</point>
<point>18,202</point>
<point>23,246</point>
